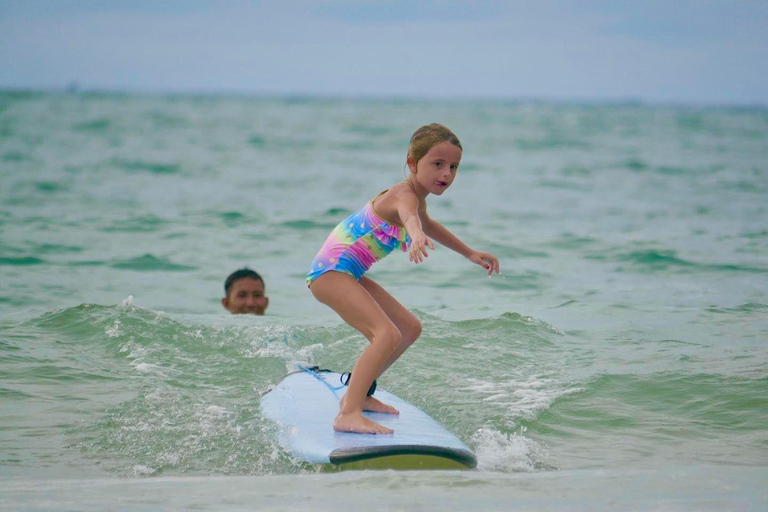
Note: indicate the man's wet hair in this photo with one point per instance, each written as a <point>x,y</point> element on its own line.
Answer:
<point>241,274</point>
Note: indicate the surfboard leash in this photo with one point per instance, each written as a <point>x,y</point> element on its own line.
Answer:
<point>371,390</point>
<point>315,371</point>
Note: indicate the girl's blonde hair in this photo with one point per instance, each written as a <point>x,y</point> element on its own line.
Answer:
<point>427,136</point>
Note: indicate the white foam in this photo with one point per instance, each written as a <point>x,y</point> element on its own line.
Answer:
<point>114,331</point>
<point>141,470</point>
<point>146,368</point>
<point>533,321</point>
<point>497,451</point>
<point>523,398</point>
<point>216,411</point>
<point>171,459</point>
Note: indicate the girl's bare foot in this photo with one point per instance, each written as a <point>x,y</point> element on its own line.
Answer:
<point>358,424</point>
<point>372,405</point>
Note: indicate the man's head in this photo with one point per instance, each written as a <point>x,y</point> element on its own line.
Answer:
<point>244,293</point>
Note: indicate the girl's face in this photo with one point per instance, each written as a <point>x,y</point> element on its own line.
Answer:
<point>437,169</point>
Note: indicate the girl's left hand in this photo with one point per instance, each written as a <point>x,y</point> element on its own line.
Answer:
<point>486,260</point>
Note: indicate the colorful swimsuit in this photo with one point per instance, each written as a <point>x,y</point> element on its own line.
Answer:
<point>357,243</point>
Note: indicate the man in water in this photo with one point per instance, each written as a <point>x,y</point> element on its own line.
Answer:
<point>244,293</point>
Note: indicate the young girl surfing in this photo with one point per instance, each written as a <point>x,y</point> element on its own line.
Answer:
<point>395,219</point>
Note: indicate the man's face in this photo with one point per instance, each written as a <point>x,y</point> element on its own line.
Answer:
<point>246,296</point>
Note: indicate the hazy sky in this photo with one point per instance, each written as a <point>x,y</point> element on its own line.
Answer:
<point>705,51</point>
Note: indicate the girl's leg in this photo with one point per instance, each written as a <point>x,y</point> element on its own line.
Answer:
<point>409,327</point>
<point>358,308</point>
<point>405,321</point>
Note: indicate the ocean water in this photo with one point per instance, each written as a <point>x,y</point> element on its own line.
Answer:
<point>620,362</point>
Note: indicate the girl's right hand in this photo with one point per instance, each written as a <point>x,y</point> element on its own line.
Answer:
<point>418,250</point>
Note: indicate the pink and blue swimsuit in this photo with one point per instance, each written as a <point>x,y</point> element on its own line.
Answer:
<point>357,243</point>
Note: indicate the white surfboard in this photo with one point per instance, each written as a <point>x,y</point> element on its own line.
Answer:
<point>304,404</point>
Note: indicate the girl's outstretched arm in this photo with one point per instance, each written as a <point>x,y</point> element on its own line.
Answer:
<point>408,210</point>
<point>440,233</point>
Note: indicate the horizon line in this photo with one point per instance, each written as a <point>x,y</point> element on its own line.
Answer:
<point>75,89</point>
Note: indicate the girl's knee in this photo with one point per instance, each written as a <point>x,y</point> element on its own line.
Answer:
<point>411,331</point>
<point>390,336</point>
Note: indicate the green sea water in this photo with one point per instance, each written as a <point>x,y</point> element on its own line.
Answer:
<point>621,359</point>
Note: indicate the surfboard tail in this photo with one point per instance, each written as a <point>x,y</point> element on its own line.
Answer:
<point>403,457</point>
